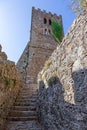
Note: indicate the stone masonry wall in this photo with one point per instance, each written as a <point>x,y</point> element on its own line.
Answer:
<point>10,85</point>
<point>42,43</point>
<point>23,62</point>
<point>63,105</point>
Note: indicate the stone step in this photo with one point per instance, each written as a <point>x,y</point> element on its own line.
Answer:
<point>36,128</point>
<point>22,113</point>
<point>24,108</point>
<point>27,89</point>
<point>28,92</point>
<point>29,118</point>
<point>24,104</point>
<point>33,93</point>
<point>26,100</point>
<point>25,125</point>
<point>29,96</point>
<point>27,103</point>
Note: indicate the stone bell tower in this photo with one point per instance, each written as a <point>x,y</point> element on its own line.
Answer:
<point>40,47</point>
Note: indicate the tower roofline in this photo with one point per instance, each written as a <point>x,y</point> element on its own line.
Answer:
<point>44,11</point>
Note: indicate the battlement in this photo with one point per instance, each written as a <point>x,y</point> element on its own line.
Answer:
<point>44,11</point>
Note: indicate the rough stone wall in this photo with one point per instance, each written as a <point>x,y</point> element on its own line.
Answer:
<point>64,105</point>
<point>3,56</point>
<point>41,43</point>
<point>10,84</point>
<point>23,62</point>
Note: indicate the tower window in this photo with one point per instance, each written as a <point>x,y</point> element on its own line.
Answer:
<point>50,22</point>
<point>45,20</point>
<point>45,31</point>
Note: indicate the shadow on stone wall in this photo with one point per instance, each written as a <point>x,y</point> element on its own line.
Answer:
<point>57,114</point>
<point>80,96</point>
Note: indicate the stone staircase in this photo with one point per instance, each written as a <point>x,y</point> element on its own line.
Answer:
<point>23,114</point>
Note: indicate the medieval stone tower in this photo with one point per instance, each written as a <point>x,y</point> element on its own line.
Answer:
<point>40,47</point>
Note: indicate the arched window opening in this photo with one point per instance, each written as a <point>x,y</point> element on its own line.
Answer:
<point>50,22</point>
<point>45,31</point>
<point>45,20</point>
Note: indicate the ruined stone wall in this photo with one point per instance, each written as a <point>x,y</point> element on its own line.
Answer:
<point>10,85</point>
<point>23,62</point>
<point>64,105</point>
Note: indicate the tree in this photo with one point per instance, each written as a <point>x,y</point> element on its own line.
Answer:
<point>79,6</point>
<point>57,31</point>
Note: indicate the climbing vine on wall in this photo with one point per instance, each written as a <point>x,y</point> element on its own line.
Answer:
<point>57,31</point>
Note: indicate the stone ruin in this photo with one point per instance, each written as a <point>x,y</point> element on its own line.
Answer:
<point>3,55</point>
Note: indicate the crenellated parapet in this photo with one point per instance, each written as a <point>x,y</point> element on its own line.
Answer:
<point>44,11</point>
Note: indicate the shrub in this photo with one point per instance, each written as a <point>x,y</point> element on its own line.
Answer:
<point>52,81</point>
<point>7,81</point>
<point>48,63</point>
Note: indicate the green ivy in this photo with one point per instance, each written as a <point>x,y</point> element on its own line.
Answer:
<point>7,81</point>
<point>57,31</point>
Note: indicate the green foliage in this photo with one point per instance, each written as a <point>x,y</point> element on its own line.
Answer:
<point>57,31</point>
<point>78,6</point>
<point>7,81</point>
<point>48,63</point>
<point>52,81</point>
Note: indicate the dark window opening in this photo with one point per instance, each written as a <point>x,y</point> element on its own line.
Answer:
<point>45,31</point>
<point>45,20</point>
<point>50,22</point>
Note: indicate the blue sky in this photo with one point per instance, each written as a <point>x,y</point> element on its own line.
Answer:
<point>15,22</point>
